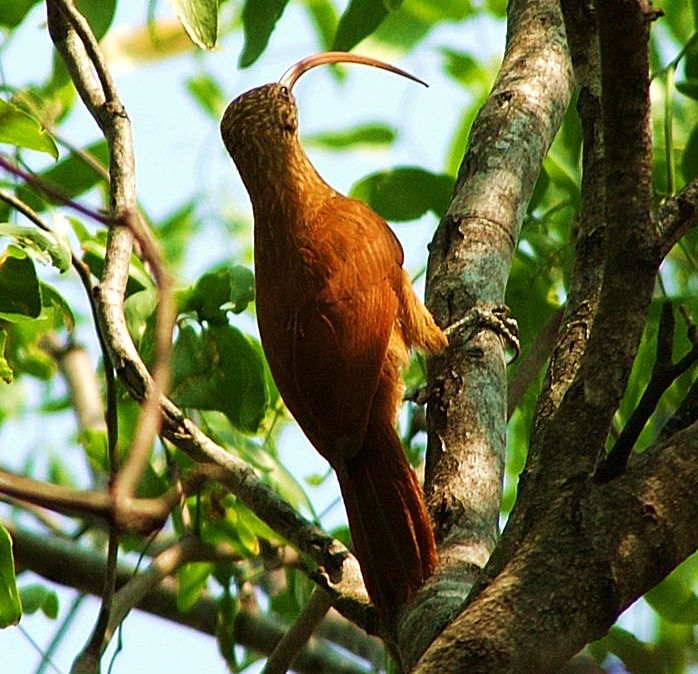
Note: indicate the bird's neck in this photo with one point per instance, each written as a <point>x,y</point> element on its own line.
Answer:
<point>286,190</point>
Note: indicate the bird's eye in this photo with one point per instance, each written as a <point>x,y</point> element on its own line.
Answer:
<point>284,91</point>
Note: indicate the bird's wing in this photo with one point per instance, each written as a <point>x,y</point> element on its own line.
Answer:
<point>340,338</point>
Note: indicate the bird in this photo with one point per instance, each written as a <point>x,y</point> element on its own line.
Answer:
<point>337,317</point>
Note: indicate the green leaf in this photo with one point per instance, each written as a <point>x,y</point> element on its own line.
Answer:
<point>259,18</point>
<point>416,18</point>
<point>47,247</point>
<point>37,597</point>
<point>96,446</point>
<point>674,599</point>
<point>6,372</point>
<point>208,94</point>
<point>464,68</point>
<point>405,193</point>
<point>220,290</point>
<point>200,20</point>
<point>94,251</point>
<point>12,12</point>
<point>20,129</point>
<point>10,603</point>
<point>50,297</point>
<point>228,610</point>
<point>359,20</point>
<point>218,368</point>
<point>370,135</point>
<point>688,88</point>
<point>637,656</point>
<point>191,582</point>
<point>241,288</point>
<point>20,293</point>
<point>689,160</point>
<point>99,14</point>
<point>324,16</point>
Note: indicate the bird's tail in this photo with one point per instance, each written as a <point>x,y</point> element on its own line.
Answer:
<point>389,524</point>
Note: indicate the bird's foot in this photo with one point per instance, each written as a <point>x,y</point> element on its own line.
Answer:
<point>479,318</point>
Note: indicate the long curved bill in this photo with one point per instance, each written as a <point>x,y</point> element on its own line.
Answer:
<point>290,77</point>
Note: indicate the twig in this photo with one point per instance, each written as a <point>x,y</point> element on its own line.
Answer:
<point>55,194</point>
<point>664,374</point>
<point>677,215</point>
<point>149,421</point>
<point>532,361</point>
<point>286,651</point>
<point>143,515</point>
<point>88,660</point>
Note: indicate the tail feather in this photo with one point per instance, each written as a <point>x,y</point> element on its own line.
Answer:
<point>390,527</point>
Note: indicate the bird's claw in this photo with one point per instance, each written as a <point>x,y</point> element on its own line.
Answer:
<point>478,318</point>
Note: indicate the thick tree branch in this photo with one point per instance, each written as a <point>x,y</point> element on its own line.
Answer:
<point>587,273</point>
<point>592,552</point>
<point>469,265</point>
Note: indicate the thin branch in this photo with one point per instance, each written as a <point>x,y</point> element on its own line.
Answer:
<point>532,361</point>
<point>469,264</point>
<point>677,215</point>
<point>47,189</point>
<point>149,421</point>
<point>87,662</point>
<point>142,516</point>
<point>288,648</point>
<point>664,373</point>
<point>73,566</point>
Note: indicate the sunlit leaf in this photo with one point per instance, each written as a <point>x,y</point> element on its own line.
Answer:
<point>6,373</point>
<point>405,193</point>
<point>10,603</point>
<point>20,293</point>
<point>200,20</point>
<point>324,17</point>
<point>639,657</point>
<point>48,247</point>
<point>191,582</point>
<point>370,135</point>
<point>359,20</point>
<point>12,12</point>
<point>126,48</point>
<point>208,94</point>
<point>217,368</point>
<point>36,597</point>
<point>22,130</point>
<point>689,159</point>
<point>675,600</point>
<point>259,18</point>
